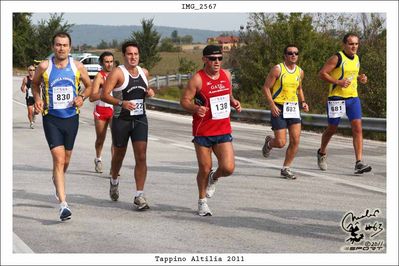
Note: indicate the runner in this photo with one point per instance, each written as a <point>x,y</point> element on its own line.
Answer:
<point>60,108</point>
<point>208,97</point>
<point>129,86</point>
<point>282,88</point>
<point>103,111</point>
<point>341,71</point>
<point>30,101</point>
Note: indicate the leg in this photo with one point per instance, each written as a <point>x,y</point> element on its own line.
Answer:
<point>204,158</point>
<point>59,167</point>
<point>225,154</point>
<point>117,159</point>
<point>357,134</point>
<point>326,137</point>
<point>140,169</point>
<point>294,131</point>
<point>101,132</point>
<point>30,113</point>
<point>280,138</point>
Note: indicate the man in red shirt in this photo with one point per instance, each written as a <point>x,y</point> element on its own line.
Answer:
<point>208,97</point>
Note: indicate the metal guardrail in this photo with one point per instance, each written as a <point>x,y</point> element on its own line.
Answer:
<point>316,120</point>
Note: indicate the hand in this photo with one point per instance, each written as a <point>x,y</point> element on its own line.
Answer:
<point>344,82</point>
<point>129,105</point>
<point>201,110</point>
<point>237,105</point>
<point>38,106</point>
<point>150,92</point>
<point>78,101</point>
<point>275,110</point>
<point>362,78</point>
<point>305,107</point>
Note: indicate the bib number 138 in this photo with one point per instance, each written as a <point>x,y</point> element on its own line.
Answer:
<point>220,106</point>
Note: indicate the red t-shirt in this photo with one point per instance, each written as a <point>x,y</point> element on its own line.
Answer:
<point>214,94</point>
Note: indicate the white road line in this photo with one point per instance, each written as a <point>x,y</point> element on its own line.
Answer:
<point>272,165</point>
<point>19,246</point>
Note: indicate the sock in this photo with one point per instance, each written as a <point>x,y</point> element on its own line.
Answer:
<point>286,167</point>
<point>202,200</point>
<point>358,161</point>
<point>139,193</point>
<point>63,204</point>
<point>114,181</point>
<point>98,159</point>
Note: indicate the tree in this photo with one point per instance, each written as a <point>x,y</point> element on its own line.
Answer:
<point>102,45</point>
<point>23,47</point>
<point>148,40</point>
<point>175,37</point>
<point>186,66</point>
<point>168,46</point>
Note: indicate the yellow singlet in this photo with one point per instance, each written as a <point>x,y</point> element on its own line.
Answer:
<point>285,87</point>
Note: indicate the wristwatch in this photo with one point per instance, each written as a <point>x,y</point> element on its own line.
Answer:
<point>120,103</point>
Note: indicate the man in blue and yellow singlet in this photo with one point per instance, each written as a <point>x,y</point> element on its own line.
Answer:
<point>342,72</point>
<point>283,91</point>
<point>59,104</point>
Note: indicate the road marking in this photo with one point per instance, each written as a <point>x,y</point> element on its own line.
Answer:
<point>19,246</point>
<point>272,165</point>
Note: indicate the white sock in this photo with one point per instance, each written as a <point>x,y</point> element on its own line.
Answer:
<point>98,159</point>
<point>114,181</point>
<point>202,200</point>
<point>139,193</point>
<point>286,167</point>
<point>63,204</point>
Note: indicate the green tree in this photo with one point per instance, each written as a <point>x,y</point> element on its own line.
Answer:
<point>23,40</point>
<point>175,37</point>
<point>148,40</point>
<point>187,39</point>
<point>168,46</point>
<point>187,66</point>
<point>102,45</point>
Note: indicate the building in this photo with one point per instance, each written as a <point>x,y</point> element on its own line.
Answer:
<point>226,42</point>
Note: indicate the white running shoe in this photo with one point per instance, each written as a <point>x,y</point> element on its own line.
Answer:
<point>203,208</point>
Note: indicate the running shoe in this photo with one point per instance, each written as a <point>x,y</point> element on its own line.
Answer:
<point>210,189</point>
<point>98,165</point>
<point>113,191</point>
<point>287,173</point>
<point>321,161</point>
<point>32,125</point>
<point>65,213</point>
<point>361,168</point>
<point>266,148</point>
<point>141,203</point>
<point>203,209</point>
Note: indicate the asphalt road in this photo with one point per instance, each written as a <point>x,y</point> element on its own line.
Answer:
<point>255,211</point>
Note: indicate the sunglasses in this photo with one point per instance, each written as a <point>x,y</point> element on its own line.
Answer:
<point>292,53</point>
<point>31,69</point>
<point>213,58</point>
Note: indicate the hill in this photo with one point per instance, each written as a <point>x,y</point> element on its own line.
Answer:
<point>93,34</point>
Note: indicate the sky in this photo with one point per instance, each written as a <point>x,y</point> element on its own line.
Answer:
<point>203,21</point>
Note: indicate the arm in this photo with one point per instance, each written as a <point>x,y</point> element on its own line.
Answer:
<point>150,92</point>
<point>23,86</point>
<point>267,88</point>
<point>301,96</point>
<point>325,71</point>
<point>95,89</point>
<point>233,102</point>
<point>186,101</point>
<point>37,78</point>
<point>114,80</point>
<point>84,77</point>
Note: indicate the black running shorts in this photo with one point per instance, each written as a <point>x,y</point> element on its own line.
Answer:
<point>136,129</point>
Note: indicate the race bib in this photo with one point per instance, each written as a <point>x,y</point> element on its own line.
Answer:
<point>291,110</point>
<point>30,94</point>
<point>62,97</point>
<point>220,107</point>
<point>139,110</point>
<point>336,109</point>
